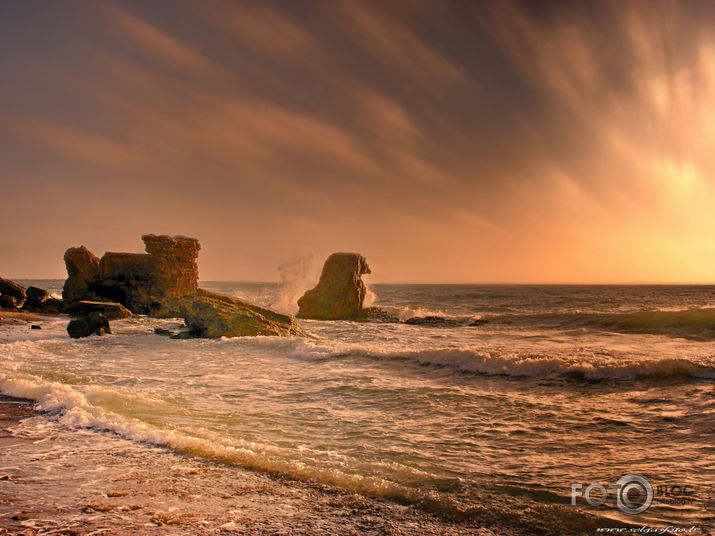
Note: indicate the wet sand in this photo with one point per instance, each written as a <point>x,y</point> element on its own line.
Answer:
<point>137,489</point>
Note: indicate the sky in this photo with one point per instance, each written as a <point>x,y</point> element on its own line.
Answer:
<point>447,141</point>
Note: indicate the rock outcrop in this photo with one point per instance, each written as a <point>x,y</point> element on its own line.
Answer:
<point>12,289</point>
<point>212,315</point>
<point>82,267</point>
<point>163,282</point>
<point>110,310</point>
<point>8,302</point>
<point>93,324</point>
<point>151,283</point>
<point>340,292</point>
<point>39,301</point>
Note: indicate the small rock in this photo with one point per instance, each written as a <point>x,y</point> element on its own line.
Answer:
<point>431,321</point>
<point>35,326</point>
<point>94,324</point>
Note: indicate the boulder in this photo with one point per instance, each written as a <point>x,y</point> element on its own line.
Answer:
<point>8,302</point>
<point>340,292</point>
<point>110,310</point>
<point>37,294</point>
<point>82,266</point>
<point>36,298</point>
<point>12,289</point>
<point>93,324</point>
<point>211,315</point>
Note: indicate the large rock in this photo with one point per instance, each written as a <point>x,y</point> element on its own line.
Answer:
<point>151,283</point>
<point>212,315</point>
<point>110,310</point>
<point>12,289</point>
<point>82,267</point>
<point>93,324</point>
<point>340,292</point>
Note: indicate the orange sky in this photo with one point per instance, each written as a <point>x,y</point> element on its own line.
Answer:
<point>446,141</point>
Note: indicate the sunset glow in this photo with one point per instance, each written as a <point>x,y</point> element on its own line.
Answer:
<point>446,141</point>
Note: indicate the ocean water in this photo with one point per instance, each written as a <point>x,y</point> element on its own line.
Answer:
<point>491,423</point>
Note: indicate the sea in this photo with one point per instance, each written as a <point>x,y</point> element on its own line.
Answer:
<point>494,417</point>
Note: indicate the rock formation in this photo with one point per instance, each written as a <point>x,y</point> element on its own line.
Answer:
<point>8,302</point>
<point>12,289</point>
<point>212,315</point>
<point>82,266</point>
<point>150,283</point>
<point>93,324</point>
<point>163,282</point>
<point>40,301</point>
<point>340,292</point>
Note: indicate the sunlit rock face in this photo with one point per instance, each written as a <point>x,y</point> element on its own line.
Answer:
<point>340,293</point>
<point>211,315</point>
<point>146,283</point>
<point>82,266</point>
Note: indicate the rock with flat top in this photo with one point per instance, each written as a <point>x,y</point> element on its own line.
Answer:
<point>211,315</point>
<point>150,283</point>
<point>110,310</point>
<point>340,293</point>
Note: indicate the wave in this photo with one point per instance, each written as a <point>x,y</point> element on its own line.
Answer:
<point>82,409</point>
<point>491,363</point>
<point>697,324</point>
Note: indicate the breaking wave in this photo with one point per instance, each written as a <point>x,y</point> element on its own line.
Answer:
<point>697,324</point>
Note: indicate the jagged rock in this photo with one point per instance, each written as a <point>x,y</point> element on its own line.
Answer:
<point>82,266</point>
<point>432,321</point>
<point>93,324</point>
<point>151,283</point>
<point>340,292</point>
<point>377,314</point>
<point>110,310</point>
<point>8,302</point>
<point>478,322</point>
<point>212,315</point>
<point>12,289</point>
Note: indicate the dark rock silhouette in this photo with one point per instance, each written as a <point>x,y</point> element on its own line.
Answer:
<point>8,302</point>
<point>39,301</point>
<point>93,324</point>
<point>110,310</point>
<point>82,266</point>
<point>12,289</point>
<point>432,321</point>
<point>211,315</point>
<point>340,292</point>
<point>377,314</point>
